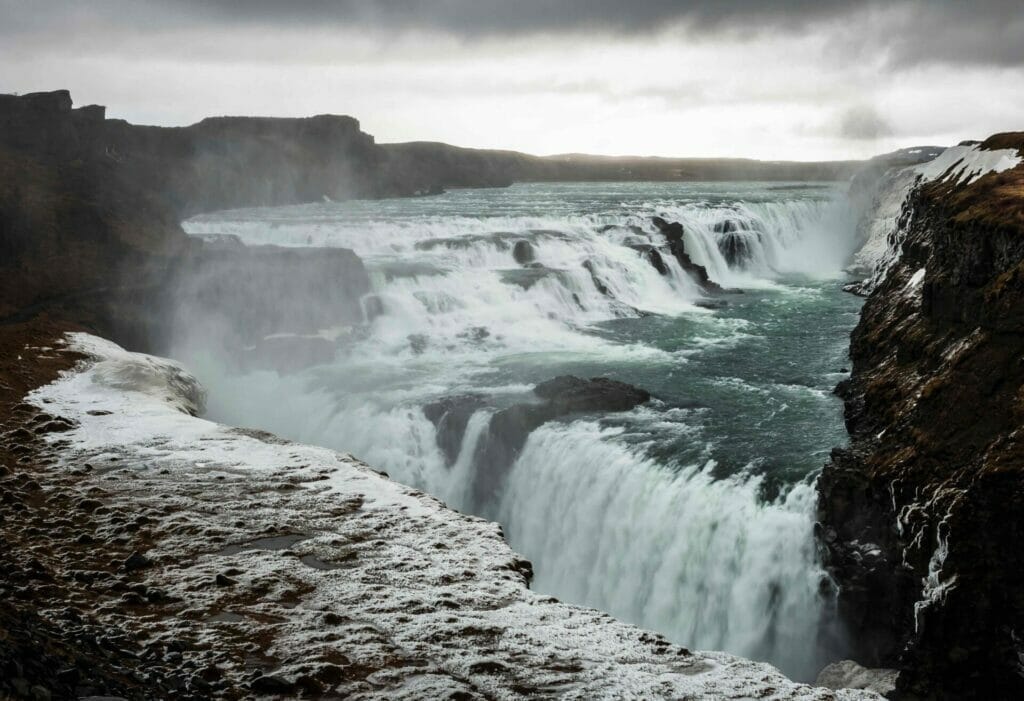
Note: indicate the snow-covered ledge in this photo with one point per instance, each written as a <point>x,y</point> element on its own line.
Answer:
<point>294,567</point>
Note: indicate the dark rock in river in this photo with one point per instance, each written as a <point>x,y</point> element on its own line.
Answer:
<point>710,303</point>
<point>522,251</point>
<point>450,416</point>
<point>673,233</point>
<point>726,226</point>
<point>373,307</point>
<point>652,256</point>
<point>737,247</point>
<point>527,276</point>
<point>569,394</point>
<point>589,266</point>
<point>562,396</point>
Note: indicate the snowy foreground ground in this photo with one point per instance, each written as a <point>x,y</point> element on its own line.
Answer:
<point>300,569</point>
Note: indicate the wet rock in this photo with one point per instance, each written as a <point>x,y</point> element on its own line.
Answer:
<point>373,307</point>
<point>450,417</point>
<point>523,252</point>
<point>270,684</point>
<point>57,425</point>
<point>137,561</point>
<point>573,394</point>
<point>527,276</point>
<point>847,674</point>
<point>589,266</point>
<point>652,255</point>
<point>726,226</point>
<point>738,247</point>
<point>559,397</point>
<point>673,233</point>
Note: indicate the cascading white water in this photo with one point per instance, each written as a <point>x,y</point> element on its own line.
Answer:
<point>607,518</point>
<point>702,559</point>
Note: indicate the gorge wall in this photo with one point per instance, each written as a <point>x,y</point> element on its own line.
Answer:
<point>920,517</point>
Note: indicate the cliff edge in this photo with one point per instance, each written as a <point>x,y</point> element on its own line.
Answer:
<point>920,516</point>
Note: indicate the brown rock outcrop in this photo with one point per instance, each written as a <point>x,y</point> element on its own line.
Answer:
<point>920,517</point>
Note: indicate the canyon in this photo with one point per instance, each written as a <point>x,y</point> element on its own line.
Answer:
<point>917,518</point>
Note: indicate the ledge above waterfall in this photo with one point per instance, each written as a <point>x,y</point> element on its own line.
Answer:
<point>326,575</point>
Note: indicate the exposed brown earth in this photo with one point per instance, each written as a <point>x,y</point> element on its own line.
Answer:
<point>63,653</point>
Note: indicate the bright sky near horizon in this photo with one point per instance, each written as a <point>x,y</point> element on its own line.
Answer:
<point>775,79</point>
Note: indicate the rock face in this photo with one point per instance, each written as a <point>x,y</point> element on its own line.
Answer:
<point>89,212</point>
<point>674,235</point>
<point>229,162</point>
<point>920,517</point>
<point>450,416</point>
<point>248,293</point>
<point>510,426</point>
<point>79,237</point>
<point>562,396</point>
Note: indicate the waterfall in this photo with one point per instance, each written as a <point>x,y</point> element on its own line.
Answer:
<point>730,573</point>
<point>487,305</point>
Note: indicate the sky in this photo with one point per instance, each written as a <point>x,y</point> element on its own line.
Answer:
<point>770,79</point>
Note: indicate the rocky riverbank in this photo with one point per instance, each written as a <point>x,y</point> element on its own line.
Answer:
<point>920,517</point>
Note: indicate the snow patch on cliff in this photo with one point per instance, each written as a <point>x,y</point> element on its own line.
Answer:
<point>375,577</point>
<point>883,226</point>
<point>965,164</point>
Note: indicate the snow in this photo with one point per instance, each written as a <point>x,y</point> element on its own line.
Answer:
<point>965,164</point>
<point>382,576</point>
<point>884,224</point>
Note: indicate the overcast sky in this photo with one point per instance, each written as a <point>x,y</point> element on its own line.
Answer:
<point>793,79</point>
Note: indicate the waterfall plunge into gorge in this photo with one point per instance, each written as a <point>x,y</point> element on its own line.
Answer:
<point>691,515</point>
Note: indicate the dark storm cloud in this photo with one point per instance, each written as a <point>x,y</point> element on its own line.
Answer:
<point>908,31</point>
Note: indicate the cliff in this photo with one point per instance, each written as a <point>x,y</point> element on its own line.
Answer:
<point>80,236</point>
<point>920,517</point>
<point>89,210</point>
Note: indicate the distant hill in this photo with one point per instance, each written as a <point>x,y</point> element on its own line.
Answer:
<point>435,164</point>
